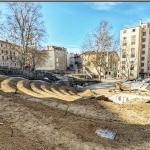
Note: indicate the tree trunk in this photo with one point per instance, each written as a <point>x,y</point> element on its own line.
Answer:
<point>99,77</point>
<point>128,74</point>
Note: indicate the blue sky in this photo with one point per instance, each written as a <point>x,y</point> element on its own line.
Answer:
<point>68,22</point>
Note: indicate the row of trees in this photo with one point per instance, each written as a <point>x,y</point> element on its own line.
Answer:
<point>25,29</point>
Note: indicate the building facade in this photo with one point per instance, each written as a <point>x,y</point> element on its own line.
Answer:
<point>73,61</point>
<point>57,59</point>
<point>111,61</point>
<point>135,50</point>
<point>8,56</point>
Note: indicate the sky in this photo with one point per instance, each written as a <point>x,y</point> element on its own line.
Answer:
<point>67,23</point>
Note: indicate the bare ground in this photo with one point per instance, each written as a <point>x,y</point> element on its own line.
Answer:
<point>44,123</point>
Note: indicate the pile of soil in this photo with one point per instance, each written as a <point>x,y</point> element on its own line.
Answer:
<point>88,92</point>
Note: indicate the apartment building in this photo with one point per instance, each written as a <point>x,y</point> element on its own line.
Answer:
<point>73,61</point>
<point>8,56</point>
<point>111,59</point>
<point>57,59</point>
<point>135,50</point>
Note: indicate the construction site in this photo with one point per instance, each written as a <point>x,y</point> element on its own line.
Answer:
<point>37,115</point>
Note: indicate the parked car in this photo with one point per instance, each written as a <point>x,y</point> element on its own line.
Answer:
<point>147,80</point>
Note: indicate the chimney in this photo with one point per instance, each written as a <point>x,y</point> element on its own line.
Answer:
<point>7,41</point>
<point>47,47</point>
<point>140,22</point>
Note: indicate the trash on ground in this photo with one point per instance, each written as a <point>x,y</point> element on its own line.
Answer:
<point>110,134</point>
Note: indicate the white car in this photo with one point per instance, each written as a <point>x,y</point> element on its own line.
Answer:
<point>147,80</point>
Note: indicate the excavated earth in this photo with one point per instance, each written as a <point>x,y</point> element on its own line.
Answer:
<point>46,117</point>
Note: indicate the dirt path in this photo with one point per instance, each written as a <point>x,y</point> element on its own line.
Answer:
<point>45,125</point>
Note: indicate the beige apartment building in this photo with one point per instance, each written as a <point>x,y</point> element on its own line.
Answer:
<point>8,55</point>
<point>111,61</point>
<point>135,51</point>
<point>57,59</point>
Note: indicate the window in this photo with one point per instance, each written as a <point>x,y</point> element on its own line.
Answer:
<point>14,53</point>
<point>56,51</point>
<point>124,50</point>
<point>2,51</point>
<point>149,49</point>
<point>142,70</point>
<point>7,64</point>
<point>143,46</point>
<point>144,40</point>
<point>132,49</point>
<point>142,64</point>
<point>124,38</point>
<point>144,33</point>
<point>148,62</point>
<point>123,56</point>
<point>123,68</point>
<point>132,55</point>
<point>133,30</point>
<point>3,64</point>
<point>10,52</point>
<point>142,58</point>
<point>124,31</point>
<point>50,64</point>
<point>123,62</point>
<point>115,64</point>
<point>15,64</point>
<point>3,57</point>
<point>148,68</point>
<point>1,45</point>
<point>56,59</point>
<point>11,64</point>
<point>124,44</point>
<point>149,56</point>
<point>6,52</point>
<point>131,74</point>
<point>149,43</point>
<point>6,46</point>
<point>131,62</point>
<point>50,54</point>
<point>7,57</point>
<point>143,52</point>
<point>132,43</point>
<point>57,64</point>
<point>133,36</point>
<point>10,46</point>
<point>11,58</point>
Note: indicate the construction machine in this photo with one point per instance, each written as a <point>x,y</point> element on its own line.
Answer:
<point>119,87</point>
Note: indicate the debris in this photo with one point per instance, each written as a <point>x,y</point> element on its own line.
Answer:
<point>110,134</point>
<point>66,110</point>
<point>1,123</point>
<point>11,130</point>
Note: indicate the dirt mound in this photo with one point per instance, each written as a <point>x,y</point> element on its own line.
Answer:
<point>87,93</point>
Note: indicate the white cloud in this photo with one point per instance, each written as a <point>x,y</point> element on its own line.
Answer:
<point>102,5</point>
<point>74,50</point>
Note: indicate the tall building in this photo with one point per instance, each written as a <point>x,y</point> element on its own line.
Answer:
<point>135,51</point>
<point>57,59</point>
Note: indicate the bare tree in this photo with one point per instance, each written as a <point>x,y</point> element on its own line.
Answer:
<point>101,41</point>
<point>24,28</point>
<point>128,63</point>
<point>38,57</point>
